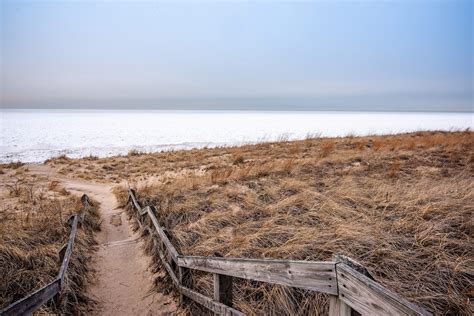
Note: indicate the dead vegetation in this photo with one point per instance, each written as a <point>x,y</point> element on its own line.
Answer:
<point>33,227</point>
<point>400,204</point>
<point>13,165</point>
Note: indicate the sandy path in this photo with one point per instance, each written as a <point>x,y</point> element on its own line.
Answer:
<point>122,280</point>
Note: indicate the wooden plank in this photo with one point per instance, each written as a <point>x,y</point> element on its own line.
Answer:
<point>185,280</point>
<point>134,199</point>
<point>32,302</point>
<point>337,307</point>
<point>370,298</point>
<point>311,275</point>
<point>85,202</point>
<point>207,302</point>
<point>143,211</point>
<point>353,264</point>
<point>168,269</point>
<point>67,254</point>
<point>139,222</point>
<point>169,247</point>
<point>223,289</point>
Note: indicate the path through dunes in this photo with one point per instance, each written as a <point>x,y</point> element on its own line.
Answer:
<point>122,281</point>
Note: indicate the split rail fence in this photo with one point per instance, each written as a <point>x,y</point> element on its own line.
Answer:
<point>31,303</point>
<point>350,286</point>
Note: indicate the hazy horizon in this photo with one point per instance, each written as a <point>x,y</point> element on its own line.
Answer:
<point>331,56</point>
<point>34,136</point>
<point>242,105</point>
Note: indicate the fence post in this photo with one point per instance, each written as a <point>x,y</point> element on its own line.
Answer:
<point>223,289</point>
<point>337,307</point>
<point>184,277</point>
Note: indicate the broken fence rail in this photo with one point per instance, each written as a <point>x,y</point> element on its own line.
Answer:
<point>33,301</point>
<point>350,286</point>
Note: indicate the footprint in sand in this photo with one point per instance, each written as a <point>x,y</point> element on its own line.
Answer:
<point>116,219</point>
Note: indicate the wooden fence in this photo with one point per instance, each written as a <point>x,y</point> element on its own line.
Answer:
<point>350,286</point>
<point>30,303</point>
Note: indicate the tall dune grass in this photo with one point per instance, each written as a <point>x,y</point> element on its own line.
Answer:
<point>32,230</point>
<point>402,205</point>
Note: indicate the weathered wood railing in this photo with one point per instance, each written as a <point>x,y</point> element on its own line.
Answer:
<point>349,284</point>
<point>30,303</point>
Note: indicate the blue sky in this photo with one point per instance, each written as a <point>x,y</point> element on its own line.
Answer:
<point>412,54</point>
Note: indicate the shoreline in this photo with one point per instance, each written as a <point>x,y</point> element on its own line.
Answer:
<point>79,153</point>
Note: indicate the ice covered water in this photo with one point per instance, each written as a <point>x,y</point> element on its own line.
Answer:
<point>35,135</point>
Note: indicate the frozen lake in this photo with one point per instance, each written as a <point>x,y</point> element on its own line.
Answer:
<point>35,135</point>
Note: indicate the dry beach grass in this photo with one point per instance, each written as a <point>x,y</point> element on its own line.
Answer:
<point>400,204</point>
<point>33,227</point>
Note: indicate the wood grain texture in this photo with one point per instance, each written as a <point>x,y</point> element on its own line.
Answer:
<point>337,307</point>
<point>355,265</point>
<point>210,304</point>
<point>311,275</point>
<point>370,298</point>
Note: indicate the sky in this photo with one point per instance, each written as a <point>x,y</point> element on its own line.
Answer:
<point>338,55</point>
